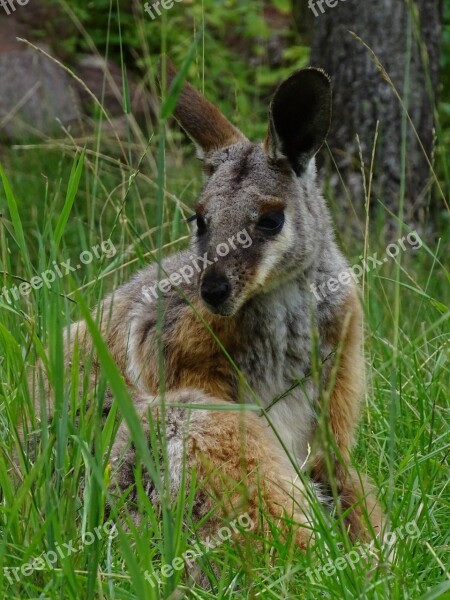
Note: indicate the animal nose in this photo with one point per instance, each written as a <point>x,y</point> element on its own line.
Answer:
<point>215,290</point>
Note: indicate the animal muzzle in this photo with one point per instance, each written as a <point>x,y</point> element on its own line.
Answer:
<point>215,289</point>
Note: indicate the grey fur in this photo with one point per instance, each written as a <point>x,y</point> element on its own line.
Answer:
<point>271,308</point>
<point>276,321</point>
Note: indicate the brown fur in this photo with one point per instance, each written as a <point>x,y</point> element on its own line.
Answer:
<point>358,503</point>
<point>204,122</point>
<point>265,326</point>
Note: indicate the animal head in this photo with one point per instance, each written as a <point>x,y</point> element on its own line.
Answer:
<point>259,216</point>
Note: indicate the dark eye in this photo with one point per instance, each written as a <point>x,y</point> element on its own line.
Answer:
<point>271,222</point>
<point>201,225</point>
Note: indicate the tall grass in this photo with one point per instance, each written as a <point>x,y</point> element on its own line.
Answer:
<point>62,198</point>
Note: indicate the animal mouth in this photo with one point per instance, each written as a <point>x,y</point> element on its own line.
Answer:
<point>222,310</point>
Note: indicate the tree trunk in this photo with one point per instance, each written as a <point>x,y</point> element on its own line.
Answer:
<point>406,43</point>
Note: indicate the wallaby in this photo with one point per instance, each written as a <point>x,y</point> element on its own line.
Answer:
<point>246,328</point>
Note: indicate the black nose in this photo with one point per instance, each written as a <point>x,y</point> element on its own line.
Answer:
<point>215,290</point>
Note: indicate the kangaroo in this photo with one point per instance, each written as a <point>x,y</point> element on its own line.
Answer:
<point>245,328</point>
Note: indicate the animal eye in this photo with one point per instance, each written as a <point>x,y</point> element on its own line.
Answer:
<point>271,222</point>
<point>201,225</point>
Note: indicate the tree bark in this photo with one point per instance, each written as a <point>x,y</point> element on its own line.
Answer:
<point>406,42</point>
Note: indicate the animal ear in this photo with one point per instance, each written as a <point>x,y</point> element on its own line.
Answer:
<point>204,123</point>
<point>299,118</point>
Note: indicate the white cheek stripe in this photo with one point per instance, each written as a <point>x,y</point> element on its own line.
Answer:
<point>275,252</point>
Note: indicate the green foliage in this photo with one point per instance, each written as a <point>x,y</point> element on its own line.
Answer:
<point>403,440</point>
<point>445,56</point>
<point>445,72</point>
<point>234,35</point>
<point>59,200</point>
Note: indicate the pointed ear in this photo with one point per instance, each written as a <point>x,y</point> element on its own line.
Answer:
<point>299,118</point>
<point>204,123</point>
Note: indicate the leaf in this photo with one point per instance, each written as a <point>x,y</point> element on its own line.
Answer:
<point>441,591</point>
<point>171,99</point>
<point>284,6</point>
<point>72,189</point>
<point>15,217</point>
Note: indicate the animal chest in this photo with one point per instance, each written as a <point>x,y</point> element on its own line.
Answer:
<point>276,361</point>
